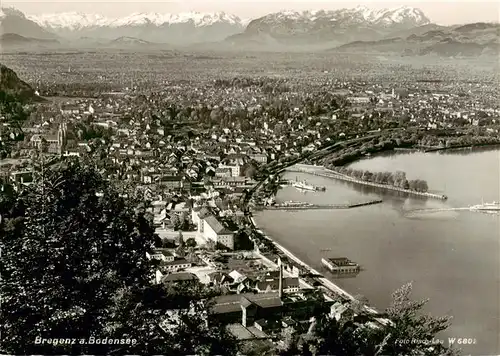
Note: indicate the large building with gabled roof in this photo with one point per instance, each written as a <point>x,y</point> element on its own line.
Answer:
<point>211,228</point>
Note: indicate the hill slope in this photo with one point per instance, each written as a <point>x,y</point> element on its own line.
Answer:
<point>469,40</point>
<point>14,21</point>
<point>12,85</point>
<point>12,41</point>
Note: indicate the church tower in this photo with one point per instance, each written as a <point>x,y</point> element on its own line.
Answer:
<point>280,266</point>
<point>60,136</point>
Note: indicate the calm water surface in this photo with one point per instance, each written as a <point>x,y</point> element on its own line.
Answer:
<point>452,257</point>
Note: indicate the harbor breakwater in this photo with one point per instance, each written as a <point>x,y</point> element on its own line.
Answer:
<point>307,206</point>
<point>327,173</point>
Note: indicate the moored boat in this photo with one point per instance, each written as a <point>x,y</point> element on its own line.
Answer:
<point>304,186</point>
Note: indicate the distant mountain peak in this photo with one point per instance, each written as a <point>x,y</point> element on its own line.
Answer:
<point>14,21</point>
<point>70,20</point>
<point>361,12</point>
<point>10,11</point>
<point>403,14</point>
<point>181,28</point>
<point>75,21</point>
<point>336,26</point>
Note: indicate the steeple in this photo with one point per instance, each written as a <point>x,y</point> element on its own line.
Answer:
<point>60,135</point>
<point>280,266</point>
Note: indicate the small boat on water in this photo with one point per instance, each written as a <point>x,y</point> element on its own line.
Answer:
<point>486,207</point>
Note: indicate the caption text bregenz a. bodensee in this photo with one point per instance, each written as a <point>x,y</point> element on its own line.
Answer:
<point>84,341</point>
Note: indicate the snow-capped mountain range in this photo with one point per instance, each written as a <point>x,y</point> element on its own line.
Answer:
<point>196,27</point>
<point>399,30</point>
<point>360,15</point>
<point>336,26</point>
<point>77,21</point>
<point>74,21</point>
<point>182,28</point>
<point>328,23</point>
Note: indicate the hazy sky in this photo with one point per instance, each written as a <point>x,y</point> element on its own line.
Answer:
<point>442,12</point>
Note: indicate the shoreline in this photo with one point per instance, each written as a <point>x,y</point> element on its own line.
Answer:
<point>290,255</point>
<point>339,176</point>
<point>415,149</point>
<point>437,149</point>
<point>325,282</point>
<point>329,285</point>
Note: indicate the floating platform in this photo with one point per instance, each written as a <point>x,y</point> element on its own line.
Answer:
<point>341,265</point>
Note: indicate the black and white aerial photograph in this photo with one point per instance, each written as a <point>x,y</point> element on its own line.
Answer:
<point>250,178</point>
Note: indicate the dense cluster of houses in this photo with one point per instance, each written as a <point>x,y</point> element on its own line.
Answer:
<point>208,151</point>
<point>425,106</point>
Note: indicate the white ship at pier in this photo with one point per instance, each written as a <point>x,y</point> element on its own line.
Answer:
<point>303,186</point>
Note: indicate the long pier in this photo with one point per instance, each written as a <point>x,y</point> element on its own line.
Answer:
<point>436,210</point>
<point>326,173</point>
<point>321,206</point>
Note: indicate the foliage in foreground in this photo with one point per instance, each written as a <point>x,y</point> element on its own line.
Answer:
<point>409,333</point>
<point>74,266</point>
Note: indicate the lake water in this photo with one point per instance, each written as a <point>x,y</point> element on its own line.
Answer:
<point>451,256</point>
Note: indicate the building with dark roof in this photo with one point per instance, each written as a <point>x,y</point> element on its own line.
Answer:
<point>179,277</point>
<point>243,307</point>
<point>246,308</point>
<point>165,267</point>
<point>220,278</point>
<point>173,182</point>
<point>290,285</point>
